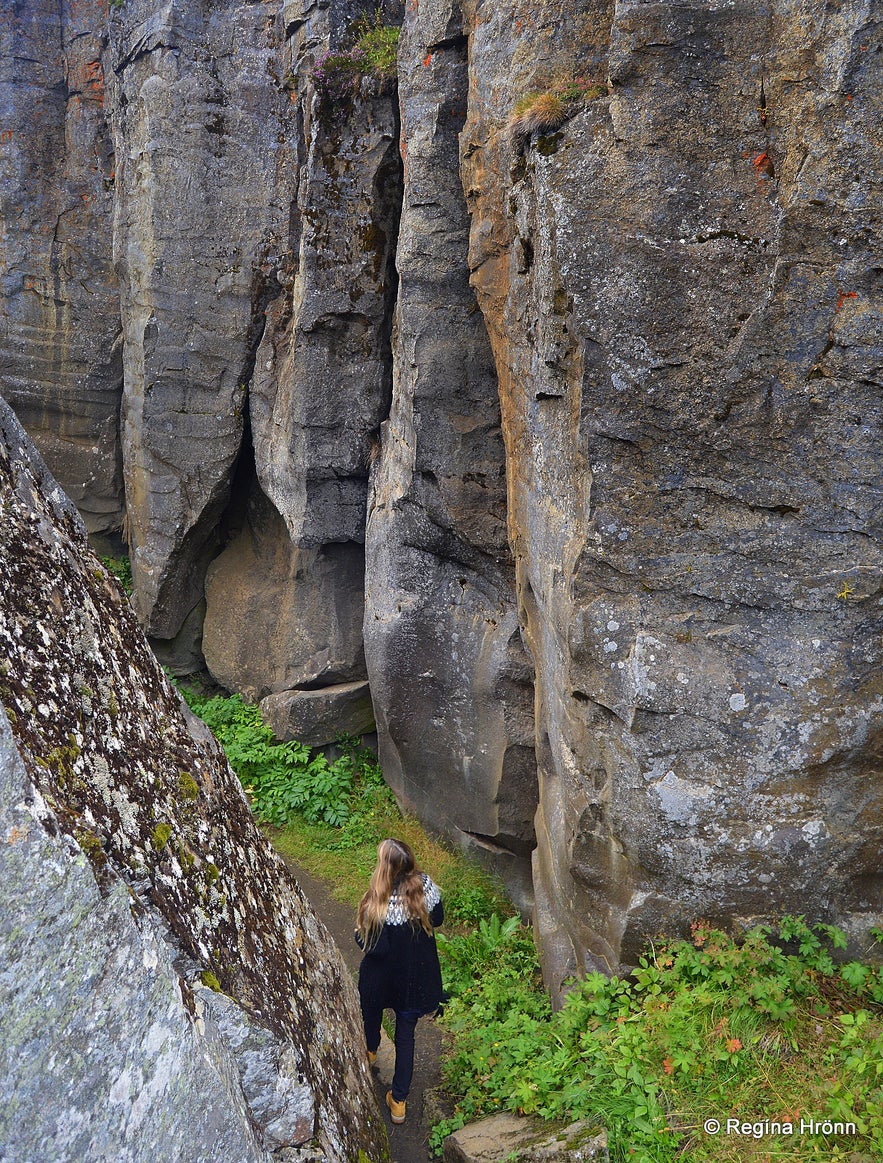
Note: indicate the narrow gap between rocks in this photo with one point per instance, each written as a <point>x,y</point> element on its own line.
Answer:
<point>408,1142</point>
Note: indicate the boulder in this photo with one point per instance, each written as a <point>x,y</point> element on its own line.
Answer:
<point>166,986</point>
<point>317,717</point>
<point>506,1138</point>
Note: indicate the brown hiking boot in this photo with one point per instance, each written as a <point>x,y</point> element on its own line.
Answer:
<point>372,1057</point>
<point>396,1109</point>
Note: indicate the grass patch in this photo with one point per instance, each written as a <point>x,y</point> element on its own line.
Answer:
<point>545,110</point>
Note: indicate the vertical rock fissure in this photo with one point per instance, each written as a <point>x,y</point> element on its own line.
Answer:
<point>451,682</point>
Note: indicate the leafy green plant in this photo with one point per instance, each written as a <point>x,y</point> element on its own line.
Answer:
<point>708,1026</point>
<point>281,778</point>
<point>120,567</point>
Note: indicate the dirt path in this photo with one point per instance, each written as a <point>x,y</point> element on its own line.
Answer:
<point>408,1142</point>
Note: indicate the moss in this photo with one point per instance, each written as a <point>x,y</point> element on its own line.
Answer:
<point>208,978</point>
<point>211,873</point>
<point>93,849</point>
<point>187,786</point>
<point>161,834</point>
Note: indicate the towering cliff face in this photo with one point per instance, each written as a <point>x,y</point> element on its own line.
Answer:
<point>619,398</point>
<point>166,986</point>
<point>680,289</point>
<point>60,340</point>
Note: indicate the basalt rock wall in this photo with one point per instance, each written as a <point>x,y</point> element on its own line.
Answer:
<point>566,440</point>
<point>681,285</point>
<point>166,986</point>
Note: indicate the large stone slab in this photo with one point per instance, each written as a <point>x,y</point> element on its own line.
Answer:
<point>317,717</point>
<point>506,1138</point>
<point>165,985</point>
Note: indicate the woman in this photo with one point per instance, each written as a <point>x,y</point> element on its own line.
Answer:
<point>400,969</point>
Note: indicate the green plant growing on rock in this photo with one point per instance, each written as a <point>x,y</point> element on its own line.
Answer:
<point>120,567</point>
<point>337,76</point>
<point>380,44</point>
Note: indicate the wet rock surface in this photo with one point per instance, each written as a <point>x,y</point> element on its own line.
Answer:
<point>165,981</point>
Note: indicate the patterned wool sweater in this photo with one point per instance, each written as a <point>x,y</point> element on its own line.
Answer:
<point>401,971</point>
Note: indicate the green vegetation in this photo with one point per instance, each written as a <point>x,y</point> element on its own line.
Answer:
<point>545,110</point>
<point>337,76</point>
<point>380,44</point>
<point>161,834</point>
<point>120,567</point>
<point>766,1028</point>
<point>281,778</point>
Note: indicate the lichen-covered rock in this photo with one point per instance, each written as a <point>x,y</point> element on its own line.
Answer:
<point>451,682</point>
<point>135,885</point>
<point>680,290</point>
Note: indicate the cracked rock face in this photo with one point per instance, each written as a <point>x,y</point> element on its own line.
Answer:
<point>450,679</point>
<point>687,334</point>
<point>165,984</point>
<point>598,461</point>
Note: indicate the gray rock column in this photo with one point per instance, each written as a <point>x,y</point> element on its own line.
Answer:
<point>60,332</point>
<point>687,333</point>
<point>450,679</point>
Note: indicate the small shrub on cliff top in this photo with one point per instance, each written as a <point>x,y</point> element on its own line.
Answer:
<point>338,75</point>
<point>380,44</point>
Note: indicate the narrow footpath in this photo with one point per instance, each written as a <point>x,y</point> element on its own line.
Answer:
<point>408,1142</point>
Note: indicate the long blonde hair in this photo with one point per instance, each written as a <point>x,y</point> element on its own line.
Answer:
<point>396,869</point>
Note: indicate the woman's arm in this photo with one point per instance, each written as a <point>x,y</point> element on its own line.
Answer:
<point>437,915</point>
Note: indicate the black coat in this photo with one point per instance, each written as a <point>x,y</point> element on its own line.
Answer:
<point>401,971</point>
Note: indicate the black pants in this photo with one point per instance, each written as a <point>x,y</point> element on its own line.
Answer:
<point>406,1021</point>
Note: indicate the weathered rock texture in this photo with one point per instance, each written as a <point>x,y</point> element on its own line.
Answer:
<point>622,410</point>
<point>60,340</point>
<point>682,294</point>
<point>450,679</point>
<point>133,879</point>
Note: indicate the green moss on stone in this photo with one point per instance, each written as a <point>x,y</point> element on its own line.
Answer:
<point>187,785</point>
<point>208,978</point>
<point>161,834</point>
